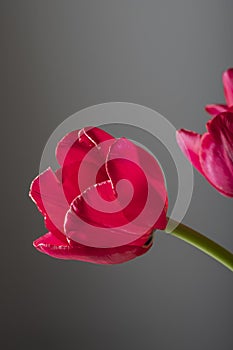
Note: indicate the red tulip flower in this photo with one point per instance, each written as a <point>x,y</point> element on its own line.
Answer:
<point>212,153</point>
<point>92,203</point>
<point>215,109</point>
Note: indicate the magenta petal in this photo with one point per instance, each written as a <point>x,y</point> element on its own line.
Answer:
<point>75,145</point>
<point>97,222</point>
<point>190,143</point>
<point>50,240</point>
<point>65,144</point>
<point>141,170</point>
<point>81,154</point>
<point>217,153</point>
<point>214,165</point>
<point>228,86</point>
<point>215,109</point>
<point>47,193</point>
<point>221,127</point>
<point>51,245</point>
<point>74,181</point>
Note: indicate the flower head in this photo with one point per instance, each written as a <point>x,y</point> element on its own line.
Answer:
<point>95,205</point>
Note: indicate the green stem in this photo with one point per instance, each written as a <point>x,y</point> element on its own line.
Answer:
<point>203,243</point>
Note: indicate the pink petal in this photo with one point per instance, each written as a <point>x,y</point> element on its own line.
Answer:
<point>228,86</point>
<point>73,148</point>
<point>51,245</point>
<point>190,143</point>
<point>99,221</point>
<point>74,181</point>
<point>81,154</point>
<point>142,171</point>
<point>217,153</point>
<point>216,109</point>
<point>47,193</point>
<point>75,145</point>
<point>221,127</point>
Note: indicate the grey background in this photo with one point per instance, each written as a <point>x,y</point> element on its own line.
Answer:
<point>61,56</point>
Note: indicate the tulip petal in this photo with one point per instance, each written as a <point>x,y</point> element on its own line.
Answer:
<point>97,222</point>
<point>228,86</point>
<point>216,109</point>
<point>76,144</point>
<point>68,250</point>
<point>74,182</point>
<point>190,143</point>
<point>217,153</point>
<point>133,163</point>
<point>81,155</point>
<point>47,193</point>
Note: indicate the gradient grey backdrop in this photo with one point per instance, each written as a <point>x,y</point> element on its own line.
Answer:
<point>57,58</point>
